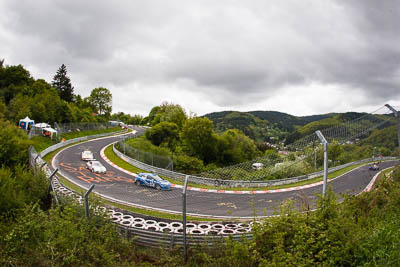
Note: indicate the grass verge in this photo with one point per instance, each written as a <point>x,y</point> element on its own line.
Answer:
<point>125,165</point>
<point>41,143</point>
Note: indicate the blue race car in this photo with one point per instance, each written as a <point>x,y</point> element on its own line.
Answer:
<point>152,180</point>
<point>374,167</point>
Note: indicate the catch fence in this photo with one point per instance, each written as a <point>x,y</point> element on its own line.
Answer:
<point>148,158</point>
<point>274,171</point>
<point>63,128</point>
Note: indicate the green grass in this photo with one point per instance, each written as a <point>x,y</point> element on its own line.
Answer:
<point>109,153</point>
<point>41,142</point>
<point>123,164</point>
<point>50,155</point>
<point>73,135</point>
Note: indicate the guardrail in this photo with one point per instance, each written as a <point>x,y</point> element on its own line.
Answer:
<point>75,140</point>
<point>236,183</point>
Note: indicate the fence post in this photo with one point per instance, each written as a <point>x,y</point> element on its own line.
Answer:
<point>123,144</point>
<point>315,159</point>
<point>87,200</point>
<point>51,188</point>
<point>325,143</point>
<point>184,218</point>
<point>396,114</point>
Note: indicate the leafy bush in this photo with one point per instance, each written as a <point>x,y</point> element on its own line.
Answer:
<point>143,144</point>
<point>188,165</point>
<point>14,144</point>
<point>21,187</point>
<point>63,237</point>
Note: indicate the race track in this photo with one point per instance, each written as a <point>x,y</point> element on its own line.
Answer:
<point>119,185</point>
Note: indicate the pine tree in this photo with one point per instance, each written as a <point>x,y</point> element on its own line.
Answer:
<point>63,84</point>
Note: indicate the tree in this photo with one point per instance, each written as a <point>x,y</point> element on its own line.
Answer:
<point>237,147</point>
<point>3,109</point>
<point>334,151</point>
<point>101,99</point>
<point>164,133</point>
<point>13,79</point>
<point>199,138</point>
<point>170,113</point>
<point>14,144</point>
<point>63,84</point>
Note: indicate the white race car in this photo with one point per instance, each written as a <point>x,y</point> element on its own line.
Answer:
<point>87,155</point>
<point>96,167</point>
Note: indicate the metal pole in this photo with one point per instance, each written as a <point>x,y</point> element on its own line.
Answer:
<point>51,184</point>
<point>325,168</point>
<point>123,140</point>
<point>315,159</point>
<point>325,143</point>
<point>87,200</point>
<point>184,217</point>
<point>396,114</point>
<point>398,132</point>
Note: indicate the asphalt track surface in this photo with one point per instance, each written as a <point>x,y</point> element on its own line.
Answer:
<point>120,186</point>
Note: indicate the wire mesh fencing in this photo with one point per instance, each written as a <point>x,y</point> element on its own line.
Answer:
<point>145,157</point>
<point>304,150</point>
<point>81,126</point>
<point>63,128</point>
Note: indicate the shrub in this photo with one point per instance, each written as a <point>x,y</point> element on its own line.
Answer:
<point>21,187</point>
<point>63,237</point>
<point>188,165</point>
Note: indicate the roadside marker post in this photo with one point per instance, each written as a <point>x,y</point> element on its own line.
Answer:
<point>51,187</point>
<point>184,217</point>
<point>325,143</point>
<point>86,196</point>
<point>396,114</point>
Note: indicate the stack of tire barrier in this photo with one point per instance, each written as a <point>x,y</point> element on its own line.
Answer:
<point>159,233</point>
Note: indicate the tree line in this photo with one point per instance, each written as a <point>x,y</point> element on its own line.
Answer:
<point>191,140</point>
<point>22,95</point>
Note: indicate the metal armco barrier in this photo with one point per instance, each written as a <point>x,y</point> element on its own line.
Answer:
<point>73,141</point>
<point>237,183</point>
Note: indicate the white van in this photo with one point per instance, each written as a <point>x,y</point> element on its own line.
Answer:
<point>257,166</point>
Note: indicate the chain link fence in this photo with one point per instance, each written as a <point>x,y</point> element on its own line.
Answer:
<point>63,128</point>
<point>81,126</point>
<point>145,157</point>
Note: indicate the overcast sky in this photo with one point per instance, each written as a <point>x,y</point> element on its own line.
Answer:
<point>300,57</point>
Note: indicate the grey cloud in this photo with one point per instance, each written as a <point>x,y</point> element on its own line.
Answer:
<point>232,51</point>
